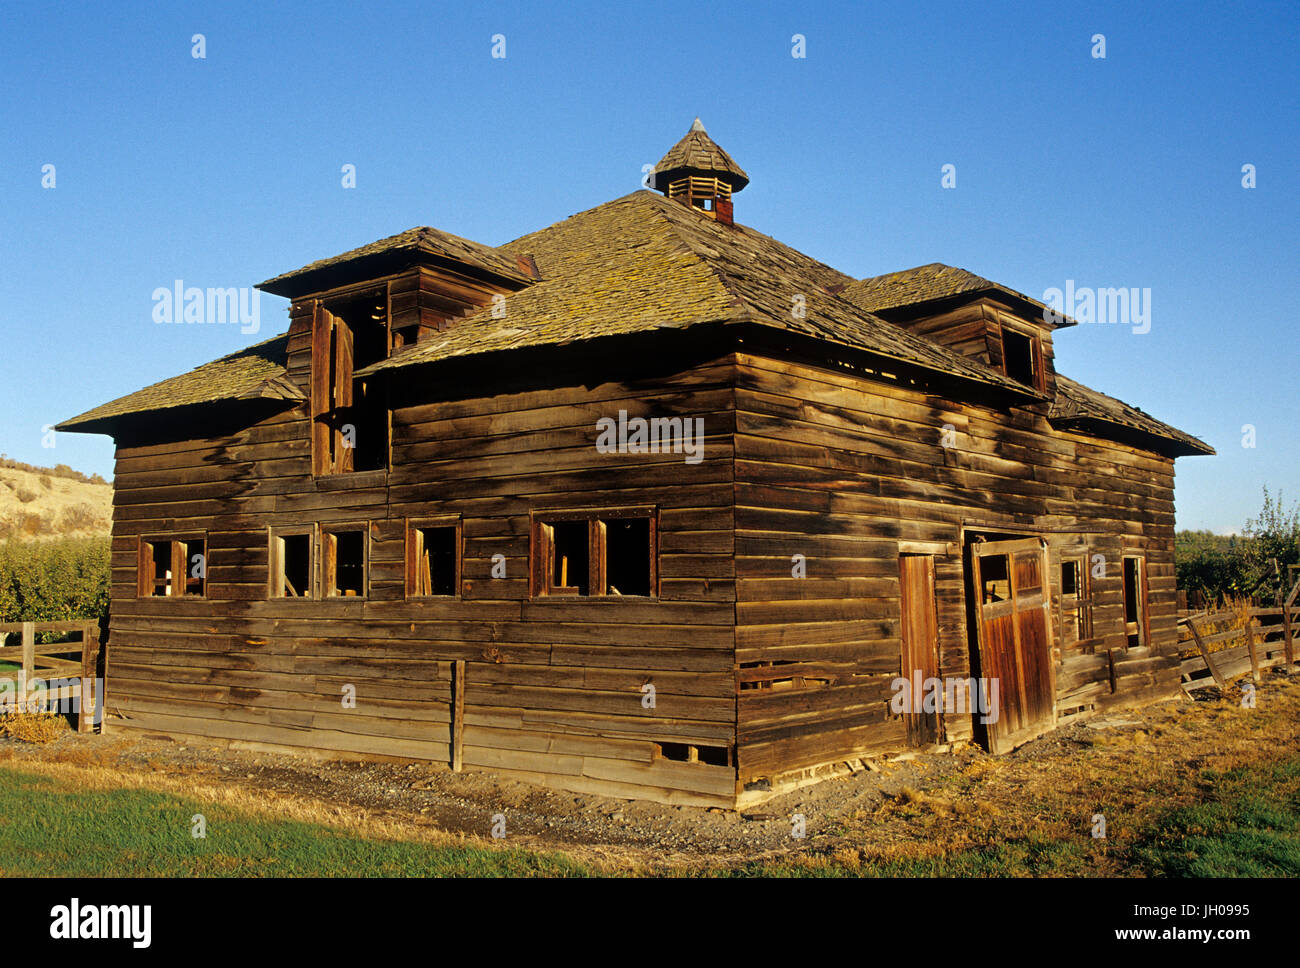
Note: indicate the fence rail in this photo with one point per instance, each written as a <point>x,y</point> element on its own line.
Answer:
<point>71,665</point>
<point>1265,644</point>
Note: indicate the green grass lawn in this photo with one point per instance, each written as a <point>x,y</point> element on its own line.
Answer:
<point>1248,826</point>
<point>49,829</point>
<point>1250,829</point>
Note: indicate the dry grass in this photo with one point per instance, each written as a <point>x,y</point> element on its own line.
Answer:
<point>1129,774</point>
<point>1233,614</point>
<point>40,503</point>
<point>38,728</point>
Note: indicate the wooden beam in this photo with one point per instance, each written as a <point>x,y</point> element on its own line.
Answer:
<point>29,657</point>
<point>596,563</point>
<point>90,697</point>
<point>1250,646</point>
<point>1286,622</point>
<point>320,388</point>
<point>178,566</point>
<point>1205,654</point>
<point>458,715</point>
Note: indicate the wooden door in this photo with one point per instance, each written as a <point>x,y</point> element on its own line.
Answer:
<point>331,391</point>
<point>920,635</point>
<point>1015,645</point>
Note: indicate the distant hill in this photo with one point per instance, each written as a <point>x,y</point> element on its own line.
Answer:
<point>52,502</point>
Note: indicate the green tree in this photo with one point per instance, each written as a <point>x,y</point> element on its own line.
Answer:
<point>55,581</point>
<point>1273,536</point>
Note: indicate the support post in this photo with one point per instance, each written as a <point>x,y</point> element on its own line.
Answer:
<point>29,659</point>
<point>457,714</point>
<point>1250,647</point>
<point>1286,623</point>
<point>89,697</point>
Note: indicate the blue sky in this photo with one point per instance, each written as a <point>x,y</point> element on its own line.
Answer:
<point>224,171</point>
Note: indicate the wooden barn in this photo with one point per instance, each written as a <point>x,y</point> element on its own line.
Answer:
<point>642,504</point>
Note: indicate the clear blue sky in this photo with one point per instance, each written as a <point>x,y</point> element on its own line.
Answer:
<point>225,171</point>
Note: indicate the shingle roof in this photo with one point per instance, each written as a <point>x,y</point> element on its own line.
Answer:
<point>1078,405</point>
<point>638,264</point>
<point>255,372</point>
<point>923,284</point>
<point>697,154</point>
<point>644,262</point>
<point>414,243</point>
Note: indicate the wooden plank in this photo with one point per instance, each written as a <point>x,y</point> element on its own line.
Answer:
<point>29,650</point>
<point>1287,622</point>
<point>920,640</point>
<point>75,625</point>
<point>458,716</point>
<point>90,688</point>
<point>1205,654</point>
<point>1250,646</point>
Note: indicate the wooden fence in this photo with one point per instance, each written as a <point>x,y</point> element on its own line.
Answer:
<point>1268,639</point>
<point>66,670</point>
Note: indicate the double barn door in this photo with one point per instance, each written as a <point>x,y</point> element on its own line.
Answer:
<point>1012,614</point>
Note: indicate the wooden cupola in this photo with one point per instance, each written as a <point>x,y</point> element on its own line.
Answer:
<point>700,175</point>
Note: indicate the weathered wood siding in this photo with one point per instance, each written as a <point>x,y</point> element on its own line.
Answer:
<point>848,472</point>
<point>974,328</point>
<point>787,672</point>
<point>553,688</point>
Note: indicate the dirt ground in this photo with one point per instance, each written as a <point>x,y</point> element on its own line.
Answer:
<point>1126,764</point>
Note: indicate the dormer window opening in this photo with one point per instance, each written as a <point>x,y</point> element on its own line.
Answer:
<point>350,415</point>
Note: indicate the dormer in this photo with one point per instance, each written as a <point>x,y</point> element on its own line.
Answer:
<point>359,308</point>
<point>700,175</point>
<point>976,317</point>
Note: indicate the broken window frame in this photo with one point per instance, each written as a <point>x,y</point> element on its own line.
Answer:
<point>1038,381</point>
<point>333,386</point>
<point>275,576</point>
<point>414,546</point>
<point>1140,628</point>
<point>328,558</point>
<point>1003,577</point>
<point>542,549</point>
<point>1076,605</point>
<point>178,558</point>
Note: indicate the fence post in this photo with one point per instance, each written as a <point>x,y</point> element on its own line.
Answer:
<point>1286,629</point>
<point>88,697</point>
<point>29,659</point>
<point>1286,622</point>
<point>1250,647</point>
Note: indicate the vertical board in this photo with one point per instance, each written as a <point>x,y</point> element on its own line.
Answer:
<point>920,640</point>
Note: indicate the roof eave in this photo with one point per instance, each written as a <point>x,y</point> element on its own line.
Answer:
<point>306,280</point>
<point>273,389</point>
<point>1045,314</point>
<point>395,364</point>
<point>1183,445</point>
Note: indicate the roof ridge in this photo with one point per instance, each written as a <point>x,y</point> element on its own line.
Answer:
<point>660,204</point>
<point>837,296</point>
